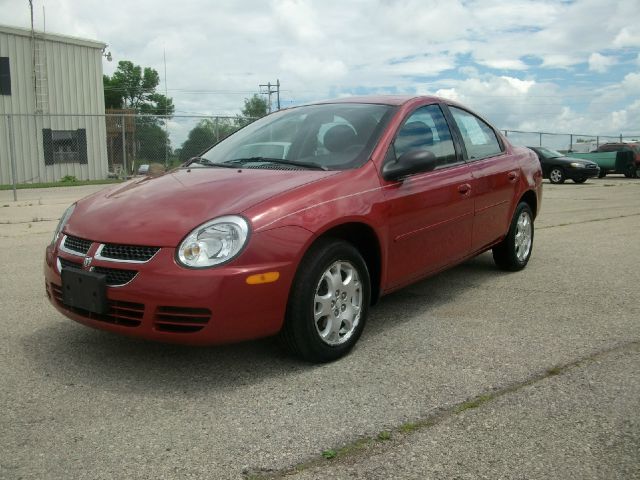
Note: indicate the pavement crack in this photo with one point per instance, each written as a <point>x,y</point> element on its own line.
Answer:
<point>587,221</point>
<point>33,220</point>
<point>366,446</point>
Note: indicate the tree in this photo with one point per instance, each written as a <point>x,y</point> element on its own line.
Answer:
<point>208,132</point>
<point>112,95</point>
<point>132,87</point>
<point>254,108</point>
<point>205,134</point>
<point>152,142</point>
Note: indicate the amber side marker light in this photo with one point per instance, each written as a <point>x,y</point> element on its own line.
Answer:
<point>267,277</point>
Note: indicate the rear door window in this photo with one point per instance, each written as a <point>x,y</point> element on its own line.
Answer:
<point>479,138</point>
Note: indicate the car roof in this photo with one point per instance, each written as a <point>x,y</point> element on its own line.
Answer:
<point>618,144</point>
<point>382,99</point>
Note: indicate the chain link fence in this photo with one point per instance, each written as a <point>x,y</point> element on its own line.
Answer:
<point>565,142</point>
<point>36,149</point>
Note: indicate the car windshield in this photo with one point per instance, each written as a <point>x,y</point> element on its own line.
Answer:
<point>324,137</point>
<point>547,153</point>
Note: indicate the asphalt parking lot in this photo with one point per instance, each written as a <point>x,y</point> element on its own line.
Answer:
<point>473,373</point>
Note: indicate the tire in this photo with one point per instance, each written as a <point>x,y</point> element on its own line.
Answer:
<point>580,180</point>
<point>514,251</point>
<point>602,173</point>
<point>556,175</point>
<point>320,325</point>
<point>630,171</point>
<point>637,173</point>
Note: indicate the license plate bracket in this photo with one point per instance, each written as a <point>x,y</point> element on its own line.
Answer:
<point>84,290</point>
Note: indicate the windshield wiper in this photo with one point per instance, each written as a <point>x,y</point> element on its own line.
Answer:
<point>205,162</point>
<point>311,165</point>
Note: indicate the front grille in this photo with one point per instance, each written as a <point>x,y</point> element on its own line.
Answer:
<point>116,277</point>
<point>127,314</point>
<point>64,263</point>
<point>76,244</point>
<point>591,165</point>
<point>131,253</point>
<point>181,319</point>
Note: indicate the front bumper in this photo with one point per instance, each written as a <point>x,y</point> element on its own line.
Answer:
<point>166,302</point>
<point>581,172</point>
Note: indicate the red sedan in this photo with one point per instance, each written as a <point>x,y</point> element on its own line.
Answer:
<point>296,224</point>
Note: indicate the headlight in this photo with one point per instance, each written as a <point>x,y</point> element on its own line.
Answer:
<point>577,164</point>
<point>63,221</point>
<point>214,242</point>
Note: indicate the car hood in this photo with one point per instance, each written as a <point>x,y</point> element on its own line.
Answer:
<point>160,211</point>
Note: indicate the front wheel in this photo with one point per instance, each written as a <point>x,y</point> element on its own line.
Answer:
<point>580,179</point>
<point>556,175</point>
<point>514,251</point>
<point>329,302</point>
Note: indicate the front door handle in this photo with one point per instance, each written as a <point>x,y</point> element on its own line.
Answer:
<point>464,189</point>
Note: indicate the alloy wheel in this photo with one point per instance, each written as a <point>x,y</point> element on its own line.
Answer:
<point>524,236</point>
<point>338,303</point>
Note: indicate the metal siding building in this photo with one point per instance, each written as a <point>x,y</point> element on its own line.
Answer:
<point>54,107</point>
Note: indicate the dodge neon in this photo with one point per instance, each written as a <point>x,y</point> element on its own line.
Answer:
<point>296,224</point>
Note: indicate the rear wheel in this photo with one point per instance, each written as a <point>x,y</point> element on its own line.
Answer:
<point>329,302</point>
<point>514,251</point>
<point>556,175</point>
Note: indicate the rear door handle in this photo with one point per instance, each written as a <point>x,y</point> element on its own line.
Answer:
<point>512,176</point>
<point>464,189</point>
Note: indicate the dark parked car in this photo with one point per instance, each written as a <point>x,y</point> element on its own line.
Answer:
<point>632,167</point>
<point>557,167</point>
<point>296,224</point>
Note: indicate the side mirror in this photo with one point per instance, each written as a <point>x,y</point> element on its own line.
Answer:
<point>413,161</point>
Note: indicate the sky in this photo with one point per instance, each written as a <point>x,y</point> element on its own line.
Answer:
<point>552,66</point>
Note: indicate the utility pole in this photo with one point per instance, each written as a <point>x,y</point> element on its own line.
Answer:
<point>270,90</point>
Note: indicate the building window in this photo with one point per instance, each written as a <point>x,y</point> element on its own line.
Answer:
<point>5,76</point>
<point>64,146</point>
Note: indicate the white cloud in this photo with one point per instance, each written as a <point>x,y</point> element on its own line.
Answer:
<point>559,60</point>
<point>504,64</point>
<point>426,66</point>
<point>448,93</point>
<point>628,37</point>
<point>311,68</point>
<point>631,82</point>
<point>298,18</point>
<point>600,63</point>
<point>326,48</point>
<point>425,22</point>
<point>618,120</point>
<point>522,86</point>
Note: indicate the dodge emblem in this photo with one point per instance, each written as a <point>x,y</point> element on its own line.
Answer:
<point>87,262</point>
